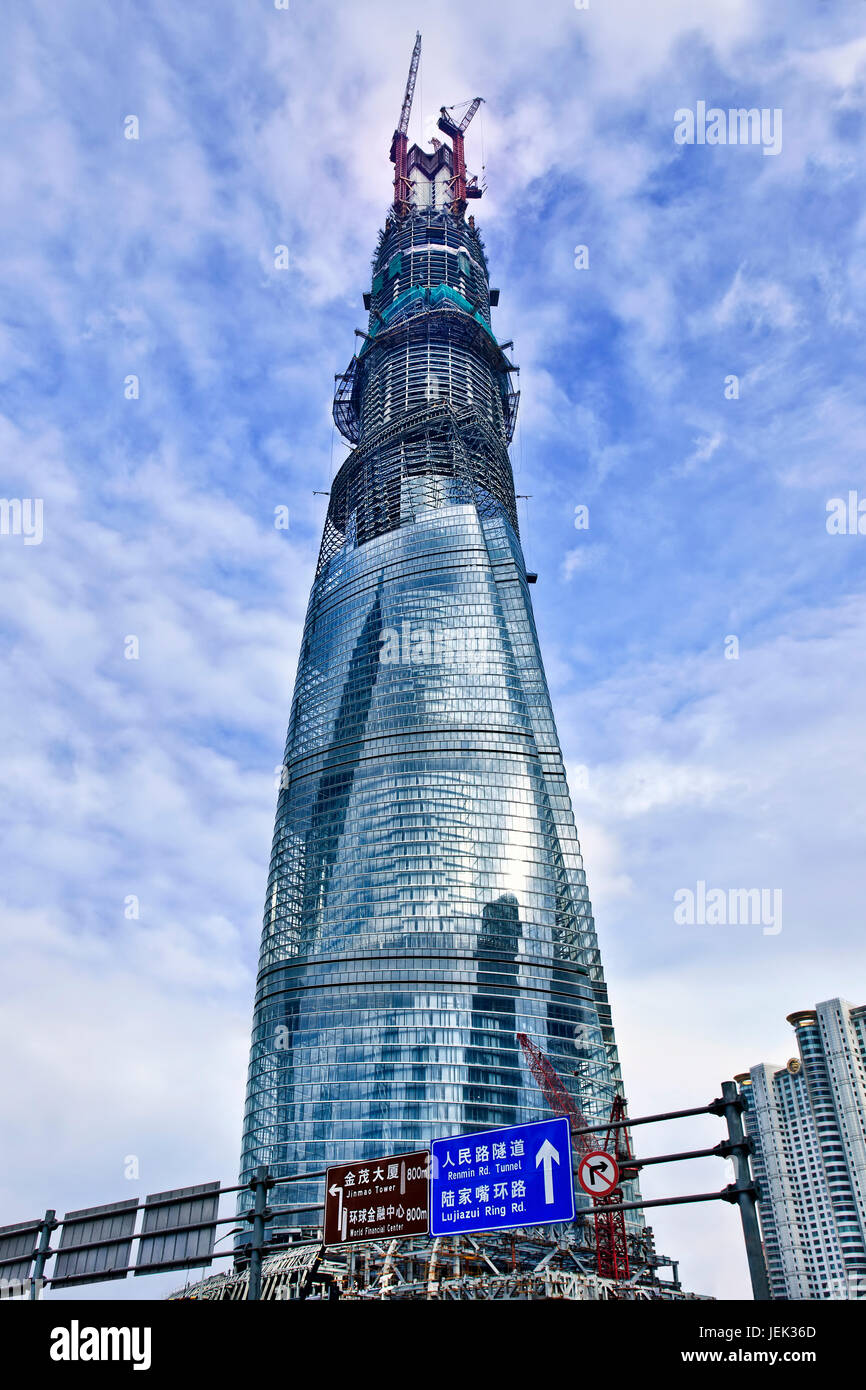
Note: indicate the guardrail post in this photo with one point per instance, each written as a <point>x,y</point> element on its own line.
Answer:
<point>260,1185</point>
<point>744,1192</point>
<point>43,1250</point>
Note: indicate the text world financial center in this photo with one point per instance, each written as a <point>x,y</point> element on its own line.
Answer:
<point>427,900</point>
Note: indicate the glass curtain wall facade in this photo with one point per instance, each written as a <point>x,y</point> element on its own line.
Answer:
<point>427,899</point>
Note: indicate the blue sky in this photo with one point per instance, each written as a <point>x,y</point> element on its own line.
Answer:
<point>155,777</point>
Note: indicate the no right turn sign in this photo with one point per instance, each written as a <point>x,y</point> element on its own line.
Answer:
<point>598,1173</point>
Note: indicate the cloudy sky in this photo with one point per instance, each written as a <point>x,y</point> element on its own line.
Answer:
<point>139,776</point>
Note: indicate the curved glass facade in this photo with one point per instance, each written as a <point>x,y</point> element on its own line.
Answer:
<point>426,900</point>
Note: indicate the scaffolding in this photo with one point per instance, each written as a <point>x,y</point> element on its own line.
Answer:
<point>430,456</point>
<point>535,1263</point>
<point>428,401</point>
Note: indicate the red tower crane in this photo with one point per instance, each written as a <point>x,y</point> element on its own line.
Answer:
<point>461,188</point>
<point>610,1233</point>
<point>400,140</point>
<point>611,1241</point>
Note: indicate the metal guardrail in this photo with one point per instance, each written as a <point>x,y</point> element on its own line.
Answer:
<point>16,1253</point>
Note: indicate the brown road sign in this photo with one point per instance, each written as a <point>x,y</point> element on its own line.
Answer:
<point>377,1198</point>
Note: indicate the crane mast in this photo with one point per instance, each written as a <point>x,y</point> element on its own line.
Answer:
<point>611,1241</point>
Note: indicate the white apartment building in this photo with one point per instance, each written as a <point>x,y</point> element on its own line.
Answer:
<point>808,1123</point>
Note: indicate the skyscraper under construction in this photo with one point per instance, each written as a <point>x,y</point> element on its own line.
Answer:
<point>427,900</point>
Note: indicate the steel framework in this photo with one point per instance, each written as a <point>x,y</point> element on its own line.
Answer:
<point>531,1264</point>
<point>430,457</point>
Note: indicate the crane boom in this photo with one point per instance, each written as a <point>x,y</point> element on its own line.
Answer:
<point>557,1097</point>
<point>403,125</point>
<point>470,113</point>
<point>450,126</point>
<point>400,139</point>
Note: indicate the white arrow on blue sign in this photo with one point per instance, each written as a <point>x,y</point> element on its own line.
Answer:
<point>498,1179</point>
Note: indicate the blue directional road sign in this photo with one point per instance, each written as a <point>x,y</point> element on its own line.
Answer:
<point>501,1178</point>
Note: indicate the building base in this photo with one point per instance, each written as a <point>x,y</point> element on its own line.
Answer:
<point>525,1265</point>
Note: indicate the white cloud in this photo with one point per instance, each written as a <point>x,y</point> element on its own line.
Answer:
<point>582,557</point>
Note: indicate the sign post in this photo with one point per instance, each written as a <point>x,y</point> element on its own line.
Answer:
<point>498,1179</point>
<point>376,1199</point>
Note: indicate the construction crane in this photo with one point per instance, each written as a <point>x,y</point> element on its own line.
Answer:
<point>400,140</point>
<point>610,1234</point>
<point>461,188</point>
<point>611,1242</point>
